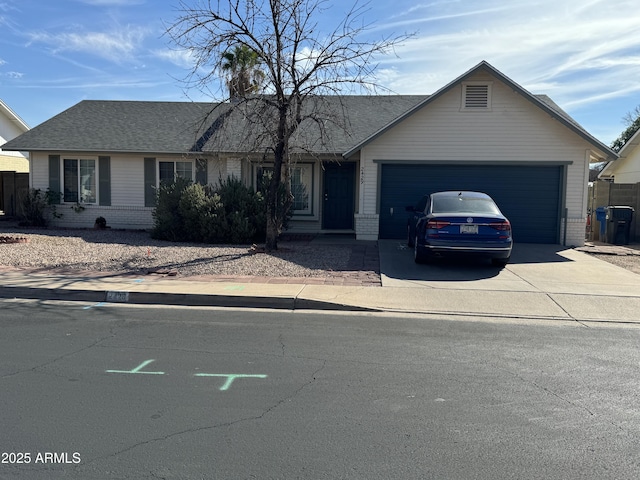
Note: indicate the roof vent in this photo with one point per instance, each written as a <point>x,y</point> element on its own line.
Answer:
<point>476,96</point>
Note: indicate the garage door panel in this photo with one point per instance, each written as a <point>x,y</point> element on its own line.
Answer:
<point>528,195</point>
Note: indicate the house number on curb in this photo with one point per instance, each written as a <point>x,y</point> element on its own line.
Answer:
<point>229,376</point>
<point>115,297</point>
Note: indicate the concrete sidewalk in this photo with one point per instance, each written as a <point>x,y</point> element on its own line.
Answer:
<point>542,282</point>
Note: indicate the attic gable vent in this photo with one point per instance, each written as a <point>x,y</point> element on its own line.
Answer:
<point>476,96</point>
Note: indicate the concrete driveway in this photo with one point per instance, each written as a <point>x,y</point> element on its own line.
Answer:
<point>567,281</point>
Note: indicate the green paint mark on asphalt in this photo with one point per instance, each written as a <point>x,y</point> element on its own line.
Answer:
<point>230,377</point>
<point>234,287</point>
<point>138,369</point>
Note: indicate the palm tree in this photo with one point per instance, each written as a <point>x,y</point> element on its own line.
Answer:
<point>244,76</point>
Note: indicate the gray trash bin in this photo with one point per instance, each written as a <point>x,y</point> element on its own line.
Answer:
<point>618,227</point>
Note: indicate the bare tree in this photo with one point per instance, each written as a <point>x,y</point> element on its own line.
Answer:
<point>299,61</point>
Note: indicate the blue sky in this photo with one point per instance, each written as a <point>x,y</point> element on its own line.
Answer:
<point>584,54</point>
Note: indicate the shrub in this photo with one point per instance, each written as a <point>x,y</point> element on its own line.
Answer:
<point>38,207</point>
<point>244,211</point>
<point>197,208</point>
<point>168,224</point>
<point>228,213</point>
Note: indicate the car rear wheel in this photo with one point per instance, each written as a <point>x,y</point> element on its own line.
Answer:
<point>418,255</point>
<point>500,262</point>
<point>410,241</point>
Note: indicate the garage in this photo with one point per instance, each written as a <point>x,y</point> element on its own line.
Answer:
<point>529,195</point>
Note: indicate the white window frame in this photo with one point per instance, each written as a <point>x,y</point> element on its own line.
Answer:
<point>463,99</point>
<point>80,199</point>
<point>175,170</point>
<point>309,169</point>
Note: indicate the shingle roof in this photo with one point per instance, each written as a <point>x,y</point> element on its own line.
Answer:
<point>345,124</point>
<point>181,127</point>
<point>117,126</point>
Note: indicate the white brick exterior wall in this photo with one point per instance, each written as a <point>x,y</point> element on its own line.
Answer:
<point>129,218</point>
<point>576,231</point>
<point>367,226</point>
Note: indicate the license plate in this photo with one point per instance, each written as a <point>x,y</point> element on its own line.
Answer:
<point>468,228</point>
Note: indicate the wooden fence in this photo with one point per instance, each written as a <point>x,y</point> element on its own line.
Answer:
<point>13,187</point>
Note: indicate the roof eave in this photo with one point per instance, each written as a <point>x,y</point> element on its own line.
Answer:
<point>101,152</point>
<point>13,116</point>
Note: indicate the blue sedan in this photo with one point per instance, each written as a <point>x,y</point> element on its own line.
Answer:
<point>459,223</point>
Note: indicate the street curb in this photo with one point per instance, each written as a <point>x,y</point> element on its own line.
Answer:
<point>176,299</point>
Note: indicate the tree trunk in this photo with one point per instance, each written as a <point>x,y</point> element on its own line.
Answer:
<point>271,242</point>
<point>277,208</point>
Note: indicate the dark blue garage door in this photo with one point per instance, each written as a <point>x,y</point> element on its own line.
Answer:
<point>528,195</point>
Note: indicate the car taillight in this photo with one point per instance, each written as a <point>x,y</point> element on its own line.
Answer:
<point>437,224</point>
<point>502,227</point>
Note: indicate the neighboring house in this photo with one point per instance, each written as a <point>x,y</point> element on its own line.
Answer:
<point>11,125</point>
<point>480,132</point>
<point>14,166</point>
<point>627,168</point>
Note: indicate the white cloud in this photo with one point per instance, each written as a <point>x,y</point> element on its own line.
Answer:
<point>579,52</point>
<point>114,83</point>
<point>116,46</point>
<point>180,58</point>
<point>442,17</point>
<point>8,7</point>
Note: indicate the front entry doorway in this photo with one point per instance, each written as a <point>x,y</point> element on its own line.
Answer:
<point>338,196</point>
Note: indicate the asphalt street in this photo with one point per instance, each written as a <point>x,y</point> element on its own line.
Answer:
<point>118,392</point>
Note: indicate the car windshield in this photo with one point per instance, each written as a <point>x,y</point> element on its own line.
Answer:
<point>462,204</point>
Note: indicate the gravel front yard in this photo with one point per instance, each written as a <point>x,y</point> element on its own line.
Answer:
<point>133,251</point>
<point>630,262</point>
<point>137,252</point>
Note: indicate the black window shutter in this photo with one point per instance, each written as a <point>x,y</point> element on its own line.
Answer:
<point>201,171</point>
<point>104,177</point>
<point>149,182</point>
<point>54,177</point>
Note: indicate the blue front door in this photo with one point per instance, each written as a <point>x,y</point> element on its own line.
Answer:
<point>338,196</point>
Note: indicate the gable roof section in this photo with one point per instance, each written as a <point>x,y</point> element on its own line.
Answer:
<point>541,101</point>
<point>610,169</point>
